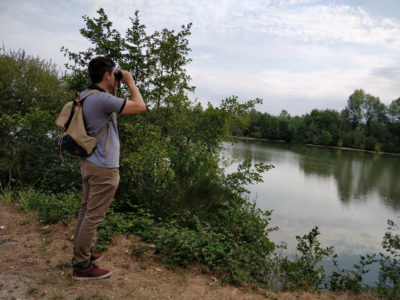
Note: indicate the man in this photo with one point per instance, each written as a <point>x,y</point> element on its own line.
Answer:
<point>100,173</point>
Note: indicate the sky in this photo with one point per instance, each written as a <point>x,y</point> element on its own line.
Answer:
<point>296,55</point>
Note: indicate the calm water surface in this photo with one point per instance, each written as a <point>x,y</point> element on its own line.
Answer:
<point>348,195</point>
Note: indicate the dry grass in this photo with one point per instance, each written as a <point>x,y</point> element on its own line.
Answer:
<point>35,259</point>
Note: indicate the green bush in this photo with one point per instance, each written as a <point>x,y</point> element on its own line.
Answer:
<point>370,143</point>
<point>324,138</point>
<point>303,272</point>
<point>224,246</point>
<point>31,94</point>
<point>222,250</point>
<point>350,280</point>
<point>389,270</point>
<point>60,208</point>
<point>51,208</point>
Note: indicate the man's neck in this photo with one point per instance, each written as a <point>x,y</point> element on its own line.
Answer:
<point>96,87</point>
<point>104,87</point>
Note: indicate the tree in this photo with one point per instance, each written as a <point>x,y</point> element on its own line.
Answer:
<point>345,122</point>
<point>255,121</point>
<point>157,60</point>
<point>394,126</point>
<point>170,158</point>
<point>170,154</point>
<point>373,111</point>
<point>284,114</point>
<point>354,107</point>
<point>394,111</point>
<point>31,93</point>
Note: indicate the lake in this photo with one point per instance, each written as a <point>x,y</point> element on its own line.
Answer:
<point>349,195</point>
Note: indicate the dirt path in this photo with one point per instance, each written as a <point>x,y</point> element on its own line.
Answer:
<point>34,264</point>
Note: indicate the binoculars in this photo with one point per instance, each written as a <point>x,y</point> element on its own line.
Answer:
<point>118,76</point>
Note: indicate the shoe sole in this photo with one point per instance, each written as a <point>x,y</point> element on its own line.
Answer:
<point>95,261</point>
<point>92,278</point>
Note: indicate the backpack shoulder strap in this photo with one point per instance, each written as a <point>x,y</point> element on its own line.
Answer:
<point>108,136</point>
<point>79,103</point>
<point>91,92</point>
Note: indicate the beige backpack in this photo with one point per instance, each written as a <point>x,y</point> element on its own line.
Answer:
<point>73,136</point>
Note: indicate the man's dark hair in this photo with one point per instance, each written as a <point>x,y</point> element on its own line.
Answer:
<point>98,67</point>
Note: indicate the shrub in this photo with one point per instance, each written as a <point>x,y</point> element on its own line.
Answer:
<point>303,272</point>
<point>224,246</point>
<point>350,280</point>
<point>51,208</point>
<point>31,93</point>
<point>389,270</point>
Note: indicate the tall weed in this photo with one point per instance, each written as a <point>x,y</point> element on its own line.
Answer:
<point>51,208</point>
<point>6,194</point>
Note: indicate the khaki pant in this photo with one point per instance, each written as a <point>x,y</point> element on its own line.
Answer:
<point>98,188</point>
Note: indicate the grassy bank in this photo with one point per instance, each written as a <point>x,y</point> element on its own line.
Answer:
<point>46,275</point>
<point>233,257</point>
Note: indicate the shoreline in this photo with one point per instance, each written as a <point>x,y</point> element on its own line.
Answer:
<point>47,275</point>
<point>314,145</point>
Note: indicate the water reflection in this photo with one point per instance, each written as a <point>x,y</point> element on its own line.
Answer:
<point>348,195</point>
<point>357,175</point>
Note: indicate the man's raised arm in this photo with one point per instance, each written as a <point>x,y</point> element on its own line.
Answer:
<point>136,104</point>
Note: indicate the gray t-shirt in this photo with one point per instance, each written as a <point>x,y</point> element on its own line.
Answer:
<point>98,109</point>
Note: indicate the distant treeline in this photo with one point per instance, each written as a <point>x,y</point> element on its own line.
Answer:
<point>365,123</point>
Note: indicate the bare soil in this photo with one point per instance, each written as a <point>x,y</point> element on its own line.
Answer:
<point>35,264</point>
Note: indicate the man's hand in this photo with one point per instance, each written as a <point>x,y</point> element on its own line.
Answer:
<point>127,77</point>
<point>136,104</point>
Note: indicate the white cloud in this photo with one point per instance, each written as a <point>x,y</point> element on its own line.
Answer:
<point>296,53</point>
<point>299,92</point>
<point>288,19</point>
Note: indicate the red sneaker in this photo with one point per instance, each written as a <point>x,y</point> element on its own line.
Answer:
<point>91,273</point>
<point>95,257</point>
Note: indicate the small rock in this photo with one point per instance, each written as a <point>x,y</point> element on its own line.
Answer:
<point>2,227</point>
<point>158,270</point>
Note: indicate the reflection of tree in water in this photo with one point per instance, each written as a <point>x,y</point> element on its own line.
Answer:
<point>357,175</point>
<point>391,191</point>
<point>250,151</point>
